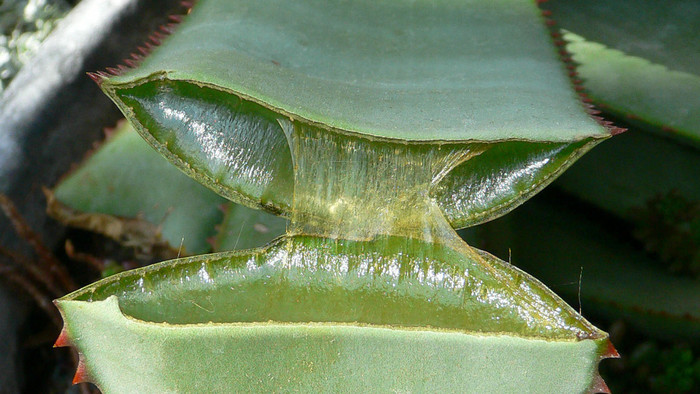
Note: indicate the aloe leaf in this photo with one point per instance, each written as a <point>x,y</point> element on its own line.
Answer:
<point>634,87</point>
<point>665,32</point>
<point>612,272</point>
<point>358,252</point>
<point>638,59</point>
<point>357,120</point>
<point>319,357</point>
<point>210,97</point>
<point>236,312</point>
<point>129,181</point>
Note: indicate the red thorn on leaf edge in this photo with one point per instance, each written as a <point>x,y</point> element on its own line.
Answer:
<point>571,65</point>
<point>62,340</point>
<point>155,39</point>
<point>599,386</point>
<point>81,374</point>
<point>96,77</point>
<point>610,351</point>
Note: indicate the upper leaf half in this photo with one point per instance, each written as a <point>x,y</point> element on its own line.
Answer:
<point>210,98</point>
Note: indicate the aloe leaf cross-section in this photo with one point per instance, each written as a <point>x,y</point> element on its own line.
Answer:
<point>376,127</point>
<point>426,73</point>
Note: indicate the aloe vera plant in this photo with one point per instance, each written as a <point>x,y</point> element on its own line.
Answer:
<point>376,128</point>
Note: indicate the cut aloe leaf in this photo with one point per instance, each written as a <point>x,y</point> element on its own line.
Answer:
<point>302,300</point>
<point>359,253</point>
<point>638,59</point>
<point>360,122</point>
<point>612,271</point>
<point>136,188</point>
<point>318,357</point>
<point>210,97</point>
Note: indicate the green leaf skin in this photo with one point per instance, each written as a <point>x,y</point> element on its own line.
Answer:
<point>272,357</point>
<point>211,96</point>
<point>360,121</point>
<point>646,92</point>
<point>441,70</point>
<point>360,252</point>
<point>125,177</point>
<point>663,32</point>
<point>393,320</point>
<point>639,59</point>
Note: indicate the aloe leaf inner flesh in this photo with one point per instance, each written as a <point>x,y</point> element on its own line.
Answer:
<point>367,248</point>
<point>367,243</point>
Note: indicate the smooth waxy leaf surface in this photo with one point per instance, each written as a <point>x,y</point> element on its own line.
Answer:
<point>126,178</point>
<point>664,32</point>
<point>634,87</point>
<point>360,121</point>
<point>318,357</point>
<point>442,70</point>
<point>380,255</point>
<point>419,76</point>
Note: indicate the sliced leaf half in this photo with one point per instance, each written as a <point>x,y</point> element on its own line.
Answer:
<point>477,72</point>
<point>330,322</point>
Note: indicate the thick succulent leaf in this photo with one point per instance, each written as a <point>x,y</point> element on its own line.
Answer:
<point>634,87</point>
<point>502,177</point>
<point>444,70</point>
<point>664,32</point>
<point>617,280</point>
<point>639,59</point>
<point>271,357</point>
<point>210,98</point>
<point>325,293</point>
<point>126,178</point>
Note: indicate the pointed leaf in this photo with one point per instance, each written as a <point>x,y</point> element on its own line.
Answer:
<point>638,59</point>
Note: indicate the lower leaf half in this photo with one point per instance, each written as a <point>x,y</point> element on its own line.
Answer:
<point>312,313</point>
